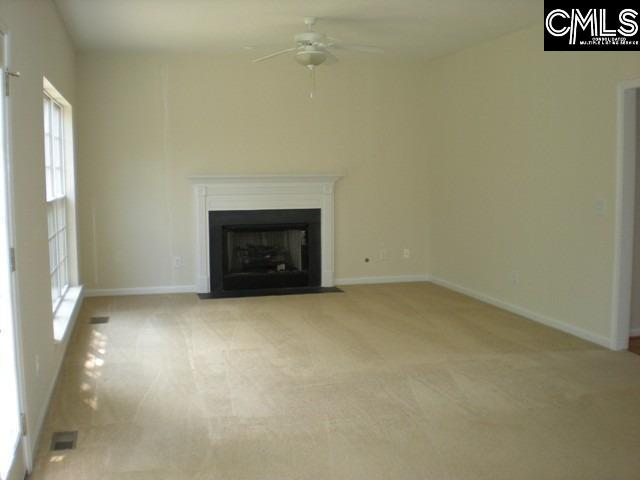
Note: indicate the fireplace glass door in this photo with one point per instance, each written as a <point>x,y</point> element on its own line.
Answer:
<point>264,249</point>
<point>252,250</point>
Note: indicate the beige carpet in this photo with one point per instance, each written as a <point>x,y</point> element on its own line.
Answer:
<point>381,382</point>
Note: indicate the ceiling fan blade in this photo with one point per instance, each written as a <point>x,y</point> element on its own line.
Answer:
<point>271,55</point>
<point>357,48</point>
<point>331,58</point>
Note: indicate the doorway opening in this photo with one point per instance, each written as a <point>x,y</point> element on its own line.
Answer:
<point>634,319</point>
<point>626,280</point>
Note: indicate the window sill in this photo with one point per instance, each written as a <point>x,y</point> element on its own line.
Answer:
<point>67,312</point>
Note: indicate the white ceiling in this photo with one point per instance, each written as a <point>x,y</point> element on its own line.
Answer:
<point>428,28</point>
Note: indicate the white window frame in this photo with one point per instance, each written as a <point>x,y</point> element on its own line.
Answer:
<point>58,238</point>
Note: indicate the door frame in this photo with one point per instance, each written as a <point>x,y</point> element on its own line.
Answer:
<point>25,460</point>
<point>628,118</point>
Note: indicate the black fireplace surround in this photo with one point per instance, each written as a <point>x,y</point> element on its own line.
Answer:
<point>264,250</point>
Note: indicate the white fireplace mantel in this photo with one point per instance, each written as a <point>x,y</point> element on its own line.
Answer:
<point>262,192</point>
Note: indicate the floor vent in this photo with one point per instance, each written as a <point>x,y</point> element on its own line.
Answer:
<point>96,320</point>
<point>64,441</point>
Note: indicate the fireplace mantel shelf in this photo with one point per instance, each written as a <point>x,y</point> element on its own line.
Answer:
<point>262,192</point>
<point>226,179</point>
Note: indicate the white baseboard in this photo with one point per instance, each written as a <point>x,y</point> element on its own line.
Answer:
<point>114,292</point>
<point>382,279</point>
<point>523,312</point>
<point>635,332</point>
<point>536,317</point>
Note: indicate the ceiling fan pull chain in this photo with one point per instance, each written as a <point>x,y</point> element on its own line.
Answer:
<point>313,81</point>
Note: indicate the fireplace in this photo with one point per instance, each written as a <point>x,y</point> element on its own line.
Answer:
<point>252,250</point>
<point>221,197</point>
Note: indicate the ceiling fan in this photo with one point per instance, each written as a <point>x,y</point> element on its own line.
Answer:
<point>314,48</point>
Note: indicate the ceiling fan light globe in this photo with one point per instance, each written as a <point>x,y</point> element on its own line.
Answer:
<point>310,57</point>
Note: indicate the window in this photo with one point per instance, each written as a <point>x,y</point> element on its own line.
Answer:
<point>54,155</point>
<point>59,168</point>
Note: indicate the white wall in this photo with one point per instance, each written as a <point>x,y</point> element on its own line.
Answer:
<point>488,164</point>
<point>39,46</point>
<point>148,121</point>
<point>523,146</point>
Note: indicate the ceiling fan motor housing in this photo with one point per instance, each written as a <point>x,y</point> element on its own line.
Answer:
<point>310,38</point>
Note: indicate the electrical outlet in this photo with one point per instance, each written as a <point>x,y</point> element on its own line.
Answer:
<point>382,255</point>
<point>515,278</point>
<point>601,207</point>
<point>177,262</point>
<point>406,253</point>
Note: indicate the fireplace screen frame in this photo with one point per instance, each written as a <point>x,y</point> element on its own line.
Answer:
<point>224,220</point>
